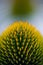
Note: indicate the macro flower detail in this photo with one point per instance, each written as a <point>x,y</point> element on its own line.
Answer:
<point>20,44</point>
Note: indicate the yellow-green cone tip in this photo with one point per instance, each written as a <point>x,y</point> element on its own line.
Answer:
<point>22,8</point>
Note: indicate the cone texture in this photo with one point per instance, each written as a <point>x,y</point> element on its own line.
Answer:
<point>20,45</point>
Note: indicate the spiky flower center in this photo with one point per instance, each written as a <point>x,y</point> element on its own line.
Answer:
<point>20,45</point>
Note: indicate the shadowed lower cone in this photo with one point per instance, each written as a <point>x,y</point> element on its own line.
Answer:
<point>20,44</point>
<point>22,7</point>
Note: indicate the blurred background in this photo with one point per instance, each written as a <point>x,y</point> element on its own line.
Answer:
<point>36,19</point>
